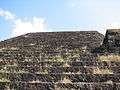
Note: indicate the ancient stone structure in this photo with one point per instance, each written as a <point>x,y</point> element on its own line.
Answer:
<point>112,40</point>
<point>60,61</point>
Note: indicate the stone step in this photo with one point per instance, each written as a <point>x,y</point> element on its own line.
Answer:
<point>60,69</point>
<point>59,77</point>
<point>60,86</point>
<point>46,57</point>
<point>55,63</point>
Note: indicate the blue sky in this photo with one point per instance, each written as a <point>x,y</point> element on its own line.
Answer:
<point>23,16</point>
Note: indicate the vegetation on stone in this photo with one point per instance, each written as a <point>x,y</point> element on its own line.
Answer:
<point>109,58</point>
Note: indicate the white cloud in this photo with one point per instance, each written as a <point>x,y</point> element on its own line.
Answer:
<point>6,14</point>
<point>23,27</point>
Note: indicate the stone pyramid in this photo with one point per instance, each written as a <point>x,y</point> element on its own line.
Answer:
<point>58,61</point>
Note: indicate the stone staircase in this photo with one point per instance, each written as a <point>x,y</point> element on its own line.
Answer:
<point>57,61</point>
